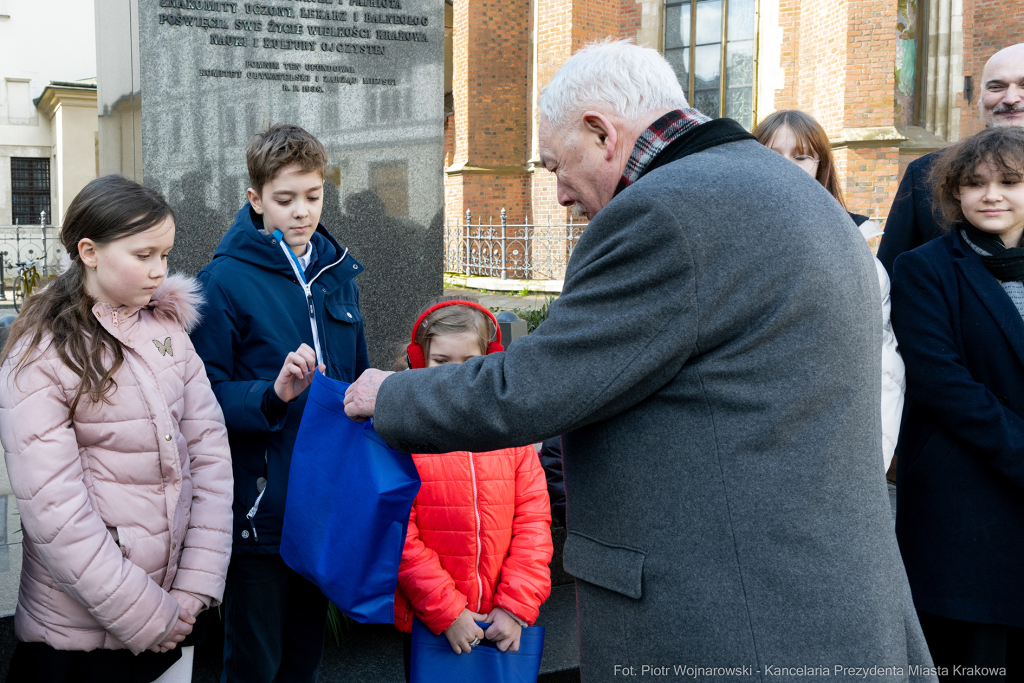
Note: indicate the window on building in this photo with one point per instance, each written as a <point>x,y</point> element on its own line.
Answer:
<point>30,185</point>
<point>703,40</point>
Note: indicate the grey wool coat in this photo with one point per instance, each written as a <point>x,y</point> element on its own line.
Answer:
<point>713,364</point>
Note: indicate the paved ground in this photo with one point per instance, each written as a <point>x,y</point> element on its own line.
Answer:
<point>499,300</point>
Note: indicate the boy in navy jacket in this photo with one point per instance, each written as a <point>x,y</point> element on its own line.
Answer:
<point>281,300</point>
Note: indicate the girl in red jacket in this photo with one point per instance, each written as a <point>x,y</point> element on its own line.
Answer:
<point>479,539</point>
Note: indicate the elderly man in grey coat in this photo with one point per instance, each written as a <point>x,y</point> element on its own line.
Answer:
<point>713,366</point>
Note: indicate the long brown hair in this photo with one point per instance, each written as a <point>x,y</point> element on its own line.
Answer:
<point>106,209</point>
<point>810,139</point>
<point>957,166</point>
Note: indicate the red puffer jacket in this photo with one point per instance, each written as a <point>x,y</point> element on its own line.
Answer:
<point>479,537</point>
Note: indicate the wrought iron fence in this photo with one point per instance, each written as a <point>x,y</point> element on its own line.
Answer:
<point>528,251</point>
<point>26,243</point>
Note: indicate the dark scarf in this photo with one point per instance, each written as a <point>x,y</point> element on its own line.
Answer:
<point>1005,264</point>
<point>675,135</point>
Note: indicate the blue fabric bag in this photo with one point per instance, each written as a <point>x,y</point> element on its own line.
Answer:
<point>348,504</point>
<point>433,659</point>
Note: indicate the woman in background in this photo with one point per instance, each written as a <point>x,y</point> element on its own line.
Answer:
<point>798,137</point>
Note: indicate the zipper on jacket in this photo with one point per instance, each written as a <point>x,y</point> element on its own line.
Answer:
<point>293,260</point>
<point>256,506</point>
<point>476,511</point>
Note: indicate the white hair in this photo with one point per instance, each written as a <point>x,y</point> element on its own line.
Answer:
<point>632,81</point>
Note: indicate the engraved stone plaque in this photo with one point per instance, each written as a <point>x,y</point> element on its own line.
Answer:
<point>183,84</point>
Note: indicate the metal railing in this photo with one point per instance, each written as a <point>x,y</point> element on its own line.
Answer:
<point>25,243</point>
<point>527,251</point>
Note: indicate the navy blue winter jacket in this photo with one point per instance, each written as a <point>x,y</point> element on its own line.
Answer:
<point>256,313</point>
<point>960,458</point>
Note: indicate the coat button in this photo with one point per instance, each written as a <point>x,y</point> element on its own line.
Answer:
<point>245,533</point>
<point>355,267</point>
<point>129,341</point>
<point>349,314</point>
<point>167,437</point>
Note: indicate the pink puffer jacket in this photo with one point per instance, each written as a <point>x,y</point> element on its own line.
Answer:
<point>130,499</point>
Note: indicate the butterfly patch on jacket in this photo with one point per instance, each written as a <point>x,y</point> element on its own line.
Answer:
<point>165,348</point>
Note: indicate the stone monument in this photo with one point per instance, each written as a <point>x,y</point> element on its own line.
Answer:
<point>183,84</point>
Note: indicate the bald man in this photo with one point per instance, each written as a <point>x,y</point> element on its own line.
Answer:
<point>911,221</point>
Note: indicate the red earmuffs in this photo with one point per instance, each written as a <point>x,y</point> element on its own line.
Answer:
<point>415,351</point>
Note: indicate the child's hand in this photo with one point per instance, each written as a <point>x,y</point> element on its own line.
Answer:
<point>188,602</point>
<point>464,631</point>
<point>504,631</point>
<point>296,373</point>
<point>182,627</point>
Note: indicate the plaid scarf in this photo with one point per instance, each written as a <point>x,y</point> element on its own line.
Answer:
<point>656,138</point>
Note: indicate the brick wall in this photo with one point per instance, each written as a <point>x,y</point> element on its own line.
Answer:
<point>989,26</point>
<point>598,19</point>
<point>492,91</point>
<point>838,58</point>
<point>556,19</point>
<point>870,60</point>
<point>820,68</point>
<point>789,24</point>
<point>629,18</point>
<point>492,104</point>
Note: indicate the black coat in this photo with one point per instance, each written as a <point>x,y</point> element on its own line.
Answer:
<point>911,221</point>
<point>960,467</point>
<point>551,461</point>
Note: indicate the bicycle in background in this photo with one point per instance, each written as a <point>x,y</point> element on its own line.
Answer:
<point>25,281</point>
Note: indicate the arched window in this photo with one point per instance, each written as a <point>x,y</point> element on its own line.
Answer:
<point>703,39</point>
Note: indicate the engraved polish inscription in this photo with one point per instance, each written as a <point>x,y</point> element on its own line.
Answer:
<point>380,23</point>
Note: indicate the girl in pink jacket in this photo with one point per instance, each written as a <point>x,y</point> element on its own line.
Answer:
<point>117,453</point>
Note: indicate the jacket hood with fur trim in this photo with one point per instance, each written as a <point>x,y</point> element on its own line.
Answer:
<point>179,299</point>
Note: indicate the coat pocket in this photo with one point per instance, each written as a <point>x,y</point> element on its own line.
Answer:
<point>615,567</point>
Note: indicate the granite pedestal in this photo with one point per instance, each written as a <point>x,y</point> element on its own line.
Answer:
<point>183,84</point>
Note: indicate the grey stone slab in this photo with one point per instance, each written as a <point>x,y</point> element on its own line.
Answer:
<point>12,520</point>
<point>5,480</point>
<point>366,653</point>
<point>182,90</point>
<point>10,577</point>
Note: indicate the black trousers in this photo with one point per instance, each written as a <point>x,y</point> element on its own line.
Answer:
<point>407,656</point>
<point>40,663</point>
<point>274,623</point>
<point>966,651</point>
